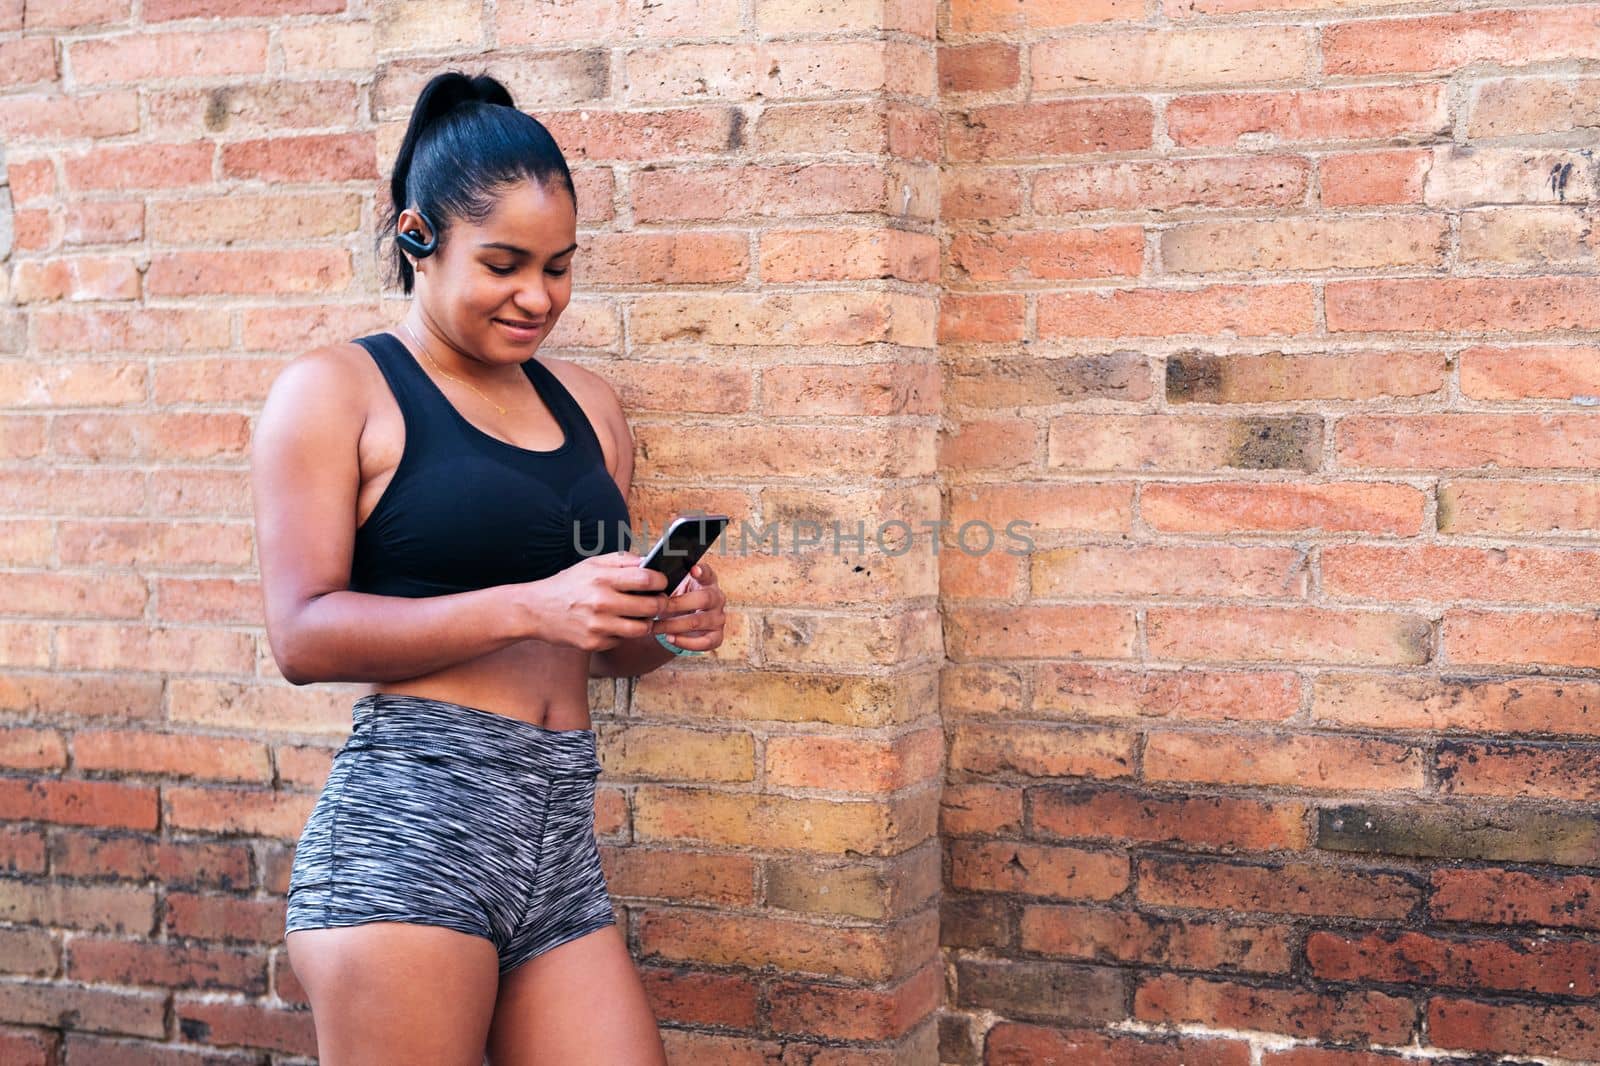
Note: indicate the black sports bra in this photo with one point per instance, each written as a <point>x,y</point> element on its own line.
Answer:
<point>467,510</point>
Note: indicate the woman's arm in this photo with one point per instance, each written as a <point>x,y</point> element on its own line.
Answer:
<point>305,476</point>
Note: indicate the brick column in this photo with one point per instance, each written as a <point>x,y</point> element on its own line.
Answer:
<point>772,809</point>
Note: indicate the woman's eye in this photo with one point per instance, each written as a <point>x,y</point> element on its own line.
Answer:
<point>505,271</point>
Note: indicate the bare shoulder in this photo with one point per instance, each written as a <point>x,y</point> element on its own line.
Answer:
<point>343,362</point>
<point>324,391</point>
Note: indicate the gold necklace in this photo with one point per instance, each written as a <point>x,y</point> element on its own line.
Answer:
<point>445,372</point>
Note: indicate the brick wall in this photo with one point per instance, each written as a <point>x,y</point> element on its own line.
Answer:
<point>196,186</point>
<point>1279,318</point>
<point>1276,319</point>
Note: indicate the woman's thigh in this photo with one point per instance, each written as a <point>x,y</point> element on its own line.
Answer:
<point>579,1004</point>
<point>397,994</point>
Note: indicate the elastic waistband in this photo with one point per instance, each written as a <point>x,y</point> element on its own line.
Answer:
<point>427,726</point>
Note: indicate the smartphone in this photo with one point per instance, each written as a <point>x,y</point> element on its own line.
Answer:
<point>681,546</point>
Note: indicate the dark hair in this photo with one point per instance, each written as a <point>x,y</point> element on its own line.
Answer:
<point>466,140</point>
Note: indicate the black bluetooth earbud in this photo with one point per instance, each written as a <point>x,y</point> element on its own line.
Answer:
<point>411,240</point>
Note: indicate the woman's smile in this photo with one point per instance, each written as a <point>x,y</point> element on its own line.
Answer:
<point>520,330</point>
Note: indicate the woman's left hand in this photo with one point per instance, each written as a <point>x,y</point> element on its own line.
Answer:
<point>694,619</point>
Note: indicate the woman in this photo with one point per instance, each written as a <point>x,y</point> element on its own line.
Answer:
<point>442,514</point>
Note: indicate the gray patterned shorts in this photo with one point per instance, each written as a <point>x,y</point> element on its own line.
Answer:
<point>442,814</point>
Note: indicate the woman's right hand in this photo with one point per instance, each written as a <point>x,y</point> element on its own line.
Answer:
<point>598,602</point>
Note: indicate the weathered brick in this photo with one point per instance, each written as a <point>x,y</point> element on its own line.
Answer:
<point>1515,897</point>
<point>1538,771</point>
<point>1277,888</point>
<point>1037,869</point>
<point>1221,507</point>
<point>1550,967</point>
<point>1224,823</point>
<point>1170,58</point>
<point>1102,934</point>
<point>1305,244</point>
<point>1054,991</point>
<point>1514,834</point>
<point>1332,1015</point>
<point>1448,42</point>
<point>1016,1044</point>
<point>1515,1028</point>
<point>1312,761</point>
<point>1366,113</point>
<point>1477,705</point>
<point>1175,184</point>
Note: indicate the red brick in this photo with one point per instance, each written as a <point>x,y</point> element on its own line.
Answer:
<point>1556,372</point>
<point>1280,507</point>
<point>1511,106</point>
<point>1100,934</point>
<point>1474,505</point>
<point>138,57</point>
<point>1172,184</point>
<point>100,803</point>
<point>1037,869</point>
<point>58,117</point>
<point>987,66</point>
<point>141,166</point>
<point>1168,571</point>
<point>1041,750</point>
<point>978,809</point>
<point>27,60</point>
<point>1465,441</point>
<point>1183,442</point>
<point>1515,897</point>
<point>1224,823</point>
<point>1570,1032</point>
<point>1280,888</point>
<point>105,961</point>
<point>1287,244</point>
<point>1145,60</point>
<point>1002,16</point>
<point>1322,762</point>
<point>1465,304</point>
<point>1386,176</point>
<point>1448,42</point>
<point>1289,634</point>
<point>1363,113</point>
<point>249,1024</point>
<point>1059,254</point>
<point>1053,128</point>
<point>1533,966</point>
<point>1541,636</point>
<point>1431,573</point>
<point>312,158</point>
<point>1040,630</point>
<point>849,1013</point>
<point>1071,690</point>
<point>64,1006</point>
<point>1537,771</point>
<point>163,10</point>
<point>1332,1015</point>
<point>1017,1044</point>
<point>224,917</point>
<point>174,754</point>
<point>1242,310</point>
